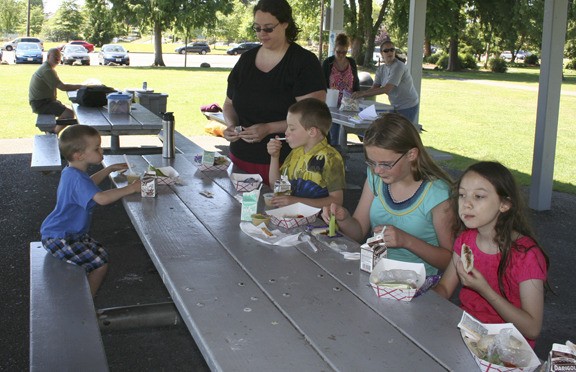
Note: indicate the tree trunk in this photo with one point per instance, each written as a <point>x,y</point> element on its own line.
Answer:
<point>427,47</point>
<point>158,60</point>
<point>453,64</point>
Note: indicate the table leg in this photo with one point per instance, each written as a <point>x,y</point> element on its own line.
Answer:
<point>342,138</point>
<point>114,142</point>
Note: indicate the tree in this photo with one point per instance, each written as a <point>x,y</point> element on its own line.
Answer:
<point>160,15</point>
<point>100,25</point>
<point>68,21</point>
<point>11,12</point>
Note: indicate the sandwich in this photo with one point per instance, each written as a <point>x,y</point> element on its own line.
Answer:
<point>467,258</point>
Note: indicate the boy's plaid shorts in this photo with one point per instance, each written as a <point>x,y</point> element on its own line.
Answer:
<point>81,250</point>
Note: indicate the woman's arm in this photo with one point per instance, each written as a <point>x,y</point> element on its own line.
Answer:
<point>231,119</point>
<point>257,132</point>
<point>335,197</point>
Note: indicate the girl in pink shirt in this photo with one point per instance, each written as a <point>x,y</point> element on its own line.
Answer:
<point>508,278</point>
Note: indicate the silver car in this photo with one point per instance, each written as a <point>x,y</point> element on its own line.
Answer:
<point>113,54</point>
<point>75,53</point>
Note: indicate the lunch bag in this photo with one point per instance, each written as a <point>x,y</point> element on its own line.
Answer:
<point>93,96</point>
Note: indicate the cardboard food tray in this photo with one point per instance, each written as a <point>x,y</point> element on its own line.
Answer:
<point>468,323</point>
<point>278,216</point>
<point>171,176</point>
<point>397,293</point>
<point>212,168</point>
<point>239,181</point>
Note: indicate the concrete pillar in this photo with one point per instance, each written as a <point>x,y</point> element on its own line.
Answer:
<point>336,23</point>
<point>553,38</point>
<point>416,28</point>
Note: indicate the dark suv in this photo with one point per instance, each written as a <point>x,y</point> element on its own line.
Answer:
<point>198,47</point>
<point>241,48</point>
<point>11,45</point>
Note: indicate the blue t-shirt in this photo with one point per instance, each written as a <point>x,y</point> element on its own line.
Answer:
<point>73,212</point>
<point>413,216</point>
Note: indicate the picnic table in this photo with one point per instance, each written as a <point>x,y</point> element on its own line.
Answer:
<point>140,121</point>
<point>254,306</point>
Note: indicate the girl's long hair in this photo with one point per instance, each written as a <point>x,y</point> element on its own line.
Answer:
<point>512,221</point>
<point>396,133</point>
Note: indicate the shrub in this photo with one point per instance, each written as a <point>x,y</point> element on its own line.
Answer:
<point>571,65</point>
<point>467,61</point>
<point>442,62</point>
<point>433,58</point>
<point>497,65</point>
<point>532,59</point>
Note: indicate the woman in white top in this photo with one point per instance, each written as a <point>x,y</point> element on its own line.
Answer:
<point>394,79</point>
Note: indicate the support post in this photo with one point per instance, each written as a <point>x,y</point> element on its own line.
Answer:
<point>416,27</point>
<point>553,38</point>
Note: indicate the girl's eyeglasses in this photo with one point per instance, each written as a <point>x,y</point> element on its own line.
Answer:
<point>384,165</point>
<point>267,30</point>
<point>388,50</point>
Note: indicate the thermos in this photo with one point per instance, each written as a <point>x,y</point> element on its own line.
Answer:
<point>168,149</point>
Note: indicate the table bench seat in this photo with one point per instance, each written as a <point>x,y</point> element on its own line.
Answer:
<point>64,332</point>
<point>45,122</point>
<point>45,153</point>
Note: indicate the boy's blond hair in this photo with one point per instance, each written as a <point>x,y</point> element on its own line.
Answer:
<point>313,113</point>
<point>73,140</point>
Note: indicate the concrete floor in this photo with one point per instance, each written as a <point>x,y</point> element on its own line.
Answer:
<point>29,196</point>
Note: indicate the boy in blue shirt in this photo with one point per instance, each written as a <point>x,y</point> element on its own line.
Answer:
<point>314,168</point>
<point>65,230</point>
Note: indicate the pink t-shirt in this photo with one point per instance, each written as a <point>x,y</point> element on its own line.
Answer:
<point>527,262</point>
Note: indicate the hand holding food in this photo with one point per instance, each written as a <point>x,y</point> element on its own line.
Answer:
<point>467,258</point>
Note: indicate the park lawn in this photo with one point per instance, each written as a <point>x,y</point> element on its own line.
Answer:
<point>474,116</point>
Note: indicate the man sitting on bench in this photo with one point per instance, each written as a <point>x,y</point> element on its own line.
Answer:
<point>42,92</point>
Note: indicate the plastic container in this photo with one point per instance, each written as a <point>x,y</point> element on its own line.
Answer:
<point>155,102</point>
<point>119,103</point>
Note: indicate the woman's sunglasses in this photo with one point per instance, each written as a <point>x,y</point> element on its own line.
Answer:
<point>264,29</point>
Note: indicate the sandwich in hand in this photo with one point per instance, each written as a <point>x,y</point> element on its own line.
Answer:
<point>467,258</point>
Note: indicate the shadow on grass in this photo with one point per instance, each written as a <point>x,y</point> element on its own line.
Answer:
<point>459,163</point>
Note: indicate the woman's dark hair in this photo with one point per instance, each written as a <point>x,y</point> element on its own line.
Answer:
<point>283,12</point>
<point>514,220</point>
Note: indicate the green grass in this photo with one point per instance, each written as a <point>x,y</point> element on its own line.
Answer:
<point>473,115</point>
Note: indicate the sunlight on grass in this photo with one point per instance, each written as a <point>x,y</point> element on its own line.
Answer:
<point>472,115</point>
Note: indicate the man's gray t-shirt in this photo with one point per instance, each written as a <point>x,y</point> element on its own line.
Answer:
<point>404,94</point>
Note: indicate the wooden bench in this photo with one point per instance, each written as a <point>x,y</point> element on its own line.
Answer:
<point>45,122</point>
<point>45,153</point>
<point>64,332</point>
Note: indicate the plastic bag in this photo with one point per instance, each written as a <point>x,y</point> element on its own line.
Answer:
<point>508,351</point>
<point>348,103</point>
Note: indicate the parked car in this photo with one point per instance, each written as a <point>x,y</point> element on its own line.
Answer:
<point>197,47</point>
<point>72,53</point>
<point>28,53</point>
<point>242,47</point>
<point>11,45</point>
<point>113,53</point>
<point>89,47</point>
<point>520,55</point>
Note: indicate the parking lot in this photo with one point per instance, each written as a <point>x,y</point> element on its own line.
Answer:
<point>170,59</point>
